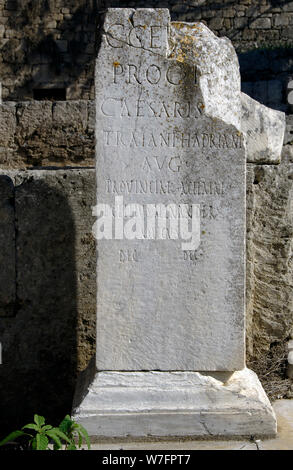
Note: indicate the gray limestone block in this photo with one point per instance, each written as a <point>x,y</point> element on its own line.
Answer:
<point>7,123</point>
<point>56,254</point>
<point>176,404</point>
<point>32,114</point>
<point>261,23</point>
<point>7,132</point>
<point>289,370</point>
<point>290,365</point>
<point>68,112</point>
<point>54,134</point>
<point>164,99</point>
<point>91,115</point>
<point>7,247</point>
<point>52,336</point>
<point>264,130</point>
<point>288,139</point>
<point>269,256</point>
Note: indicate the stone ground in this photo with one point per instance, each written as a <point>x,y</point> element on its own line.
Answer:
<point>284,440</point>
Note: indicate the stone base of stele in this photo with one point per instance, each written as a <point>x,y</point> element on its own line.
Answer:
<point>176,404</point>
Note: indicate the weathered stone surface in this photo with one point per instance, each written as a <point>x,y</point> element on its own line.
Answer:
<point>152,122</point>
<point>54,133</point>
<point>264,129</point>
<point>7,247</point>
<point>43,133</point>
<point>7,133</point>
<point>215,59</point>
<point>289,370</point>
<point>53,333</point>
<point>176,404</point>
<point>63,57</point>
<point>269,256</point>
<point>288,139</point>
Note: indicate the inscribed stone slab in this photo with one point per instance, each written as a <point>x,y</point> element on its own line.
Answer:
<point>167,131</point>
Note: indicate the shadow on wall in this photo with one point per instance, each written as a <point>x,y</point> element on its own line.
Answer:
<point>52,45</point>
<point>265,74</point>
<point>45,50</point>
<point>39,349</point>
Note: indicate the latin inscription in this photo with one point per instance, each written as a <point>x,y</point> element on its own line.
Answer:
<point>175,74</point>
<point>170,196</point>
<point>139,36</point>
<point>173,139</point>
<point>128,256</point>
<point>121,107</point>
<point>135,186</point>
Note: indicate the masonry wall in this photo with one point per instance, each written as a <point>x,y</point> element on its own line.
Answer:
<point>50,44</point>
<point>47,188</point>
<point>47,255</point>
<point>47,133</point>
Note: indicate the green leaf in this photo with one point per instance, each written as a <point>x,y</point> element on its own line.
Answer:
<point>42,442</point>
<point>46,428</point>
<point>31,426</point>
<point>39,420</point>
<point>62,435</point>
<point>55,438</point>
<point>72,446</point>
<point>79,439</point>
<point>13,435</point>
<point>84,432</point>
<point>66,424</point>
<point>34,443</point>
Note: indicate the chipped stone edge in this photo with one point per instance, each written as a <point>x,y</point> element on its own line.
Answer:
<point>176,404</point>
<point>264,145</point>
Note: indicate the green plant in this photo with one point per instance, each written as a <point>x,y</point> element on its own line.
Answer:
<point>63,436</point>
<point>74,431</point>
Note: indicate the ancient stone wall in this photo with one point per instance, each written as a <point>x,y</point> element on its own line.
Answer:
<point>49,45</point>
<point>48,287</point>
<point>46,133</point>
<point>47,302</point>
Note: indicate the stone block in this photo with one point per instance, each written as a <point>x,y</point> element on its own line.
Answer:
<point>216,23</point>
<point>31,115</point>
<point>56,291</point>
<point>168,275</point>
<point>269,250</point>
<point>7,123</point>
<point>91,115</point>
<point>51,25</point>
<point>7,248</point>
<point>290,365</point>
<point>146,288</point>
<point>176,404</point>
<point>264,129</point>
<point>288,7</point>
<point>288,139</point>
<point>73,113</point>
<point>261,23</point>
<point>281,20</point>
<point>287,32</point>
<point>240,22</point>
<point>229,13</point>
<point>54,134</point>
<point>8,154</point>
